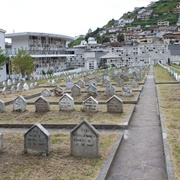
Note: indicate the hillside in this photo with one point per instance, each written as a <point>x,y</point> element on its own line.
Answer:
<point>161,10</point>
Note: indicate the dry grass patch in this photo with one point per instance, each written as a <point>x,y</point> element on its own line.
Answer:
<point>170,105</point>
<point>59,165</point>
<point>162,75</point>
<point>56,116</point>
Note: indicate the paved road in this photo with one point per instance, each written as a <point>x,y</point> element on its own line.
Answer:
<point>140,156</point>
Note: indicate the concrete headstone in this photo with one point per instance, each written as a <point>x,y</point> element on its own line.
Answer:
<point>84,140</point>
<point>37,140</point>
<point>2,106</point>
<point>90,105</point>
<point>75,90</point>
<point>19,104</point>
<point>115,105</point>
<point>66,103</point>
<point>42,105</point>
<point>46,93</point>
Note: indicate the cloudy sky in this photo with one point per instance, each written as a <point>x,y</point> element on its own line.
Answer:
<point>66,17</point>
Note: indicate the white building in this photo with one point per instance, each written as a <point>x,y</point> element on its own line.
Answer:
<point>48,50</point>
<point>2,47</point>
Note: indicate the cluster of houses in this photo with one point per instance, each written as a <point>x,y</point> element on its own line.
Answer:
<point>141,47</point>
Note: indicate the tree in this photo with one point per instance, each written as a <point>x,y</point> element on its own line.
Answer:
<point>120,37</point>
<point>3,58</point>
<point>22,63</point>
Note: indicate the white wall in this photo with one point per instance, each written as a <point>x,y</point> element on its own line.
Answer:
<point>19,42</point>
<point>2,45</point>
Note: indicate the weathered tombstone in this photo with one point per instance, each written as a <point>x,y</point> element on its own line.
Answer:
<point>49,82</point>
<point>110,90</point>
<point>93,81</point>
<point>66,103</point>
<point>13,90</point>
<point>2,106</point>
<point>90,105</point>
<point>127,90</point>
<point>81,83</point>
<point>53,82</point>
<point>92,90</point>
<point>14,81</point>
<point>133,83</point>
<point>19,87</point>
<point>115,105</point>
<point>31,86</point>
<point>86,80</point>
<point>37,140</point>
<point>4,90</point>
<point>46,93</point>
<point>26,87</point>
<point>58,91</point>
<point>75,90</point>
<point>120,82</point>
<point>105,82</point>
<point>4,83</point>
<point>1,142</point>
<point>9,82</point>
<point>84,140</point>
<point>19,104</point>
<point>69,85</point>
<point>42,105</point>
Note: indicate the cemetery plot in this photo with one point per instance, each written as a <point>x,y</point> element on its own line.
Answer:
<point>72,117</point>
<point>58,165</point>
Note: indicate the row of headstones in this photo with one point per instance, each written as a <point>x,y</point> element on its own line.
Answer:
<point>19,88</point>
<point>91,91</point>
<point>66,103</point>
<point>171,72</point>
<point>84,140</point>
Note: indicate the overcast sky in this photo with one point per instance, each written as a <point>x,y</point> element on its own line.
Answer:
<point>66,17</point>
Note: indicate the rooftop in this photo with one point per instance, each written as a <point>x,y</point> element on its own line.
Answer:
<point>11,35</point>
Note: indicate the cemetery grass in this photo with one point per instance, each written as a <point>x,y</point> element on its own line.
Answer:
<point>64,117</point>
<point>170,105</point>
<point>162,75</point>
<point>59,165</point>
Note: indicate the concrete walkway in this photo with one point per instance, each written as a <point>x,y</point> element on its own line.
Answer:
<point>140,156</point>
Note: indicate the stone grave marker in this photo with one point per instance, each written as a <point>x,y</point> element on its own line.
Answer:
<point>93,81</point>
<point>120,83</point>
<point>14,81</point>
<point>19,87</point>
<point>69,85</point>
<point>31,86</point>
<point>133,83</point>
<point>58,91</point>
<point>92,90</point>
<point>42,105</point>
<point>115,105</point>
<point>86,80</point>
<point>4,83</point>
<point>19,104</point>
<point>37,140</point>
<point>1,142</point>
<point>110,90</point>
<point>26,87</point>
<point>4,90</point>
<point>81,83</point>
<point>105,83</point>
<point>97,79</point>
<point>46,93</point>
<point>127,90</point>
<point>75,90</point>
<point>9,82</point>
<point>90,105</point>
<point>84,140</point>
<point>13,90</point>
<point>66,103</point>
<point>2,106</point>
